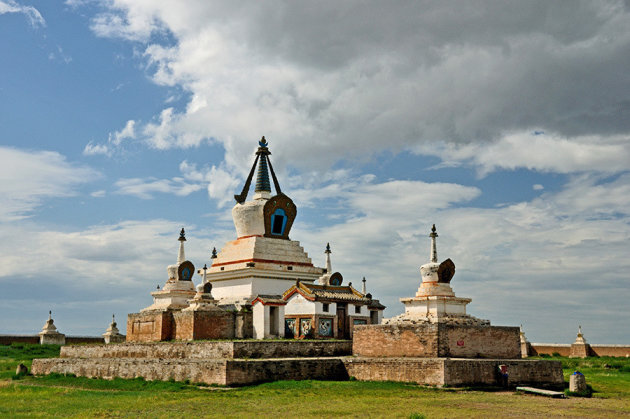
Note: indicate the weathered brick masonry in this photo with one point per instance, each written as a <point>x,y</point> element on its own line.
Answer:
<point>216,349</point>
<point>572,350</point>
<point>9,339</point>
<point>204,362</point>
<point>245,362</point>
<point>437,340</point>
<point>194,325</point>
<point>443,371</point>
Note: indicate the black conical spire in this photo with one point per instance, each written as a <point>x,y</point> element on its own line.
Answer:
<point>262,180</point>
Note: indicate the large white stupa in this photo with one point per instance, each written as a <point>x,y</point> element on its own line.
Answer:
<point>262,260</point>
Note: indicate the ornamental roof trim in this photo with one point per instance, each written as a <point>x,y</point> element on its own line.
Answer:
<point>314,292</point>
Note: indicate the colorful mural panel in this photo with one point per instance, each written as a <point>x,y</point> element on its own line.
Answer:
<point>305,327</point>
<point>289,328</point>
<point>325,327</point>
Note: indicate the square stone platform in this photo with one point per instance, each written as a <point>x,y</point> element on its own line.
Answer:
<point>248,362</point>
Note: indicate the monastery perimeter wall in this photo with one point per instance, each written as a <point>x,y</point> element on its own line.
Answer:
<point>571,350</point>
<point>9,339</point>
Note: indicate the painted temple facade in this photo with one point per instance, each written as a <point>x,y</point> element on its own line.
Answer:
<point>261,285</point>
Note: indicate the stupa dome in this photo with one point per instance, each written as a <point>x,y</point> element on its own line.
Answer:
<point>266,215</point>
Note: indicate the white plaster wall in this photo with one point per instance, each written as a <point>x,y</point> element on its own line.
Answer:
<point>232,288</point>
<point>258,313</point>
<point>299,305</point>
<point>332,309</point>
<point>363,310</point>
<point>271,286</point>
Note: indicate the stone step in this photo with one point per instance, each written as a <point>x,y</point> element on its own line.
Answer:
<point>212,349</point>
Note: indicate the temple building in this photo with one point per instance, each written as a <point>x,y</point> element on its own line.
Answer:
<point>327,309</point>
<point>261,285</point>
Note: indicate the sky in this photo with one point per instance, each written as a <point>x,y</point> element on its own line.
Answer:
<point>505,123</point>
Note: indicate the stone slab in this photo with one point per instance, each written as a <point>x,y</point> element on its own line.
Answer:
<point>542,392</point>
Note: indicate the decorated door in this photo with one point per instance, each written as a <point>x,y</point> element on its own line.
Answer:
<point>342,322</point>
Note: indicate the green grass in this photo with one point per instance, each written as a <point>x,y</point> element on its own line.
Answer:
<point>16,353</point>
<point>61,396</point>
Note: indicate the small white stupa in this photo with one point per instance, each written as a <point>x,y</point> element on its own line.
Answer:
<point>112,334</point>
<point>435,301</point>
<point>179,287</point>
<point>49,333</point>
<point>325,278</point>
<point>203,299</point>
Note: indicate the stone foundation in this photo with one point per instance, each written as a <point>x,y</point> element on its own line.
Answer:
<point>455,372</point>
<point>208,350</point>
<point>208,371</point>
<point>247,362</point>
<point>436,340</point>
<point>224,363</point>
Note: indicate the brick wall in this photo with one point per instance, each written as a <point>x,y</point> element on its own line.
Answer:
<point>194,325</point>
<point>611,350</point>
<point>156,326</point>
<point>479,342</point>
<point>73,340</point>
<point>70,340</point>
<point>386,340</point>
<point>433,340</point>
<point>150,326</point>
<point>549,349</point>
<point>240,372</point>
<point>426,371</point>
<point>9,339</point>
<point>573,350</point>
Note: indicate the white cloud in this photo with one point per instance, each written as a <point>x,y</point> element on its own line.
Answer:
<point>35,18</point>
<point>541,152</point>
<point>29,177</point>
<point>348,80</point>
<point>519,262</point>
<point>114,141</point>
<point>98,194</point>
<point>92,149</point>
<point>145,188</point>
<point>538,187</point>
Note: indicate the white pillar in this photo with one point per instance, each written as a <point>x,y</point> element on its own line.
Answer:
<point>433,235</point>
